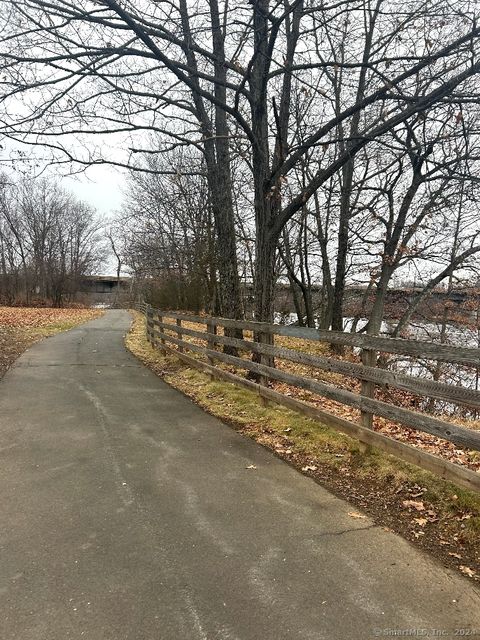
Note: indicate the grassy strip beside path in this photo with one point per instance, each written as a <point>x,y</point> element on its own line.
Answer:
<point>438,516</point>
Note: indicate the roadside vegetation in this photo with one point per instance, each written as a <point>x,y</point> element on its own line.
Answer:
<point>49,240</point>
<point>21,327</point>
<point>436,515</point>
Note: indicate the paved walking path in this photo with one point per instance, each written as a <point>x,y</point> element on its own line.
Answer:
<point>126,512</point>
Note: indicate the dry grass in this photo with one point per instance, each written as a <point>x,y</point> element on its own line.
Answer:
<point>448,522</point>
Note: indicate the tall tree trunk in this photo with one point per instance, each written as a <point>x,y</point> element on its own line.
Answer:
<point>361,313</point>
<point>348,171</point>
<point>327,294</point>
<point>296,301</point>
<point>223,210</point>
<point>216,148</point>
<point>267,195</point>
<point>266,249</point>
<point>266,203</point>
<point>229,296</point>
<point>342,249</point>
<point>376,315</point>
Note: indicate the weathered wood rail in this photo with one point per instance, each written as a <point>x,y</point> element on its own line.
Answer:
<point>165,334</point>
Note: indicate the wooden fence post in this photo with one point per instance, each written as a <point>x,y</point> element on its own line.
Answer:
<point>265,338</point>
<point>369,359</point>
<point>211,329</point>
<point>147,323</point>
<point>268,361</point>
<point>163,351</point>
<point>179,334</point>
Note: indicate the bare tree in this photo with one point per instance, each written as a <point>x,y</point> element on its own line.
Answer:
<point>146,63</point>
<point>167,234</point>
<point>49,241</point>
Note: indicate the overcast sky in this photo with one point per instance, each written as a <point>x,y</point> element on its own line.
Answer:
<point>101,187</point>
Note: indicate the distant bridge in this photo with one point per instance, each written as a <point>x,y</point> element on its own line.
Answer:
<point>105,289</point>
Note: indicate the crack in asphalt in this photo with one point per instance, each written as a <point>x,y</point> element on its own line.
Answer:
<point>343,531</point>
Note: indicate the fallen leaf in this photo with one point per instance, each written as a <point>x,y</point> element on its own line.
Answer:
<point>421,521</point>
<point>354,514</point>
<point>467,571</point>
<point>414,504</point>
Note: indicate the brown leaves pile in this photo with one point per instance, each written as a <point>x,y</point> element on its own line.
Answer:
<point>16,317</point>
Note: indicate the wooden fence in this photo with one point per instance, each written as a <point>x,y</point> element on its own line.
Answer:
<point>164,334</point>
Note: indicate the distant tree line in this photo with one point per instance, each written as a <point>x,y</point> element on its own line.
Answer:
<point>48,241</point>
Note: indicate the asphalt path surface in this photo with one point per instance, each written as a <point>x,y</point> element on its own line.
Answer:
<point>126,512</point>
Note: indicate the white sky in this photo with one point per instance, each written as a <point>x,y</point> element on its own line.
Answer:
<point>101,187</point>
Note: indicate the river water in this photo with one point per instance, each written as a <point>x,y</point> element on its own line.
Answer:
<point>456,335</point>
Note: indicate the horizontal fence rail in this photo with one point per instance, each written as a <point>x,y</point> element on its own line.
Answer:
<point>165,334</point>
<point>416,348</point>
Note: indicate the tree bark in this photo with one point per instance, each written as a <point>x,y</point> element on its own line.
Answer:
<point>216,148</point>
<point>223,210</point>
